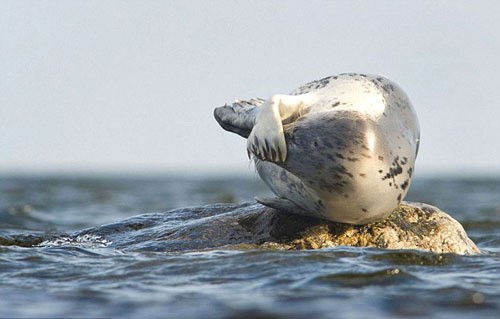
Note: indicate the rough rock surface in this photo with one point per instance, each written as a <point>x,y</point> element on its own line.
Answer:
<point>411,226</point>
<point>251,225</point>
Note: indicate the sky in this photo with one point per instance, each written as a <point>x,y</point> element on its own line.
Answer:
<point>130,86</point>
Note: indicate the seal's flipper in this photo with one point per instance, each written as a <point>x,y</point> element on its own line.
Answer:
<point>266,140</point>
<point>238,117</point>
<point>281,204</point>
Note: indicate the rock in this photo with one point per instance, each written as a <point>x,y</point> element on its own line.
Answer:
<point>411,226</point>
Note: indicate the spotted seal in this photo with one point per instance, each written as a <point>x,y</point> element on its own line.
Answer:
<point>342,148</point>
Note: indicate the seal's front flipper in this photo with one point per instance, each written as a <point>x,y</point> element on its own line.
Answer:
<point>281,204</point>
<point>266,140</point>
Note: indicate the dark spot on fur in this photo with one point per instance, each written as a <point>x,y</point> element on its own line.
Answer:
<point>344,171</point>
<point>380,157</point>
<point>335,104</point>
<point>394,171</point>
<point>318,84</point>
<point>399,197</point>
<point>410,171</point>
<point>404,185</point>
<point>364,210</point>
<point>362,174</point>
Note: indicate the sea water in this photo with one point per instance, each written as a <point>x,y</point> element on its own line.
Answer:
<point>89,279</point>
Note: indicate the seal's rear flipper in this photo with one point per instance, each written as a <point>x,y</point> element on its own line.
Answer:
<point>238,117</point>
<point>279,204</point>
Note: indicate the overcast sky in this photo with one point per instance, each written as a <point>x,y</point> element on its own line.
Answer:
<point>131,85</point>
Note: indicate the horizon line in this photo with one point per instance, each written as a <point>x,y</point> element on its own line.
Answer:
<point>214,171</point>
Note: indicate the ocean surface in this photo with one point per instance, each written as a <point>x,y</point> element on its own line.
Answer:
<point>40,278</point>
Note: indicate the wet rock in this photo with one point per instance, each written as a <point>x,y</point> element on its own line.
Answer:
<point>411,226</point>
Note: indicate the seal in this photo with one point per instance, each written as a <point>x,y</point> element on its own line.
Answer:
<point>341,148</point>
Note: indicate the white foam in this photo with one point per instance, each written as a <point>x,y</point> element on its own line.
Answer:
<point>83,241</point>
